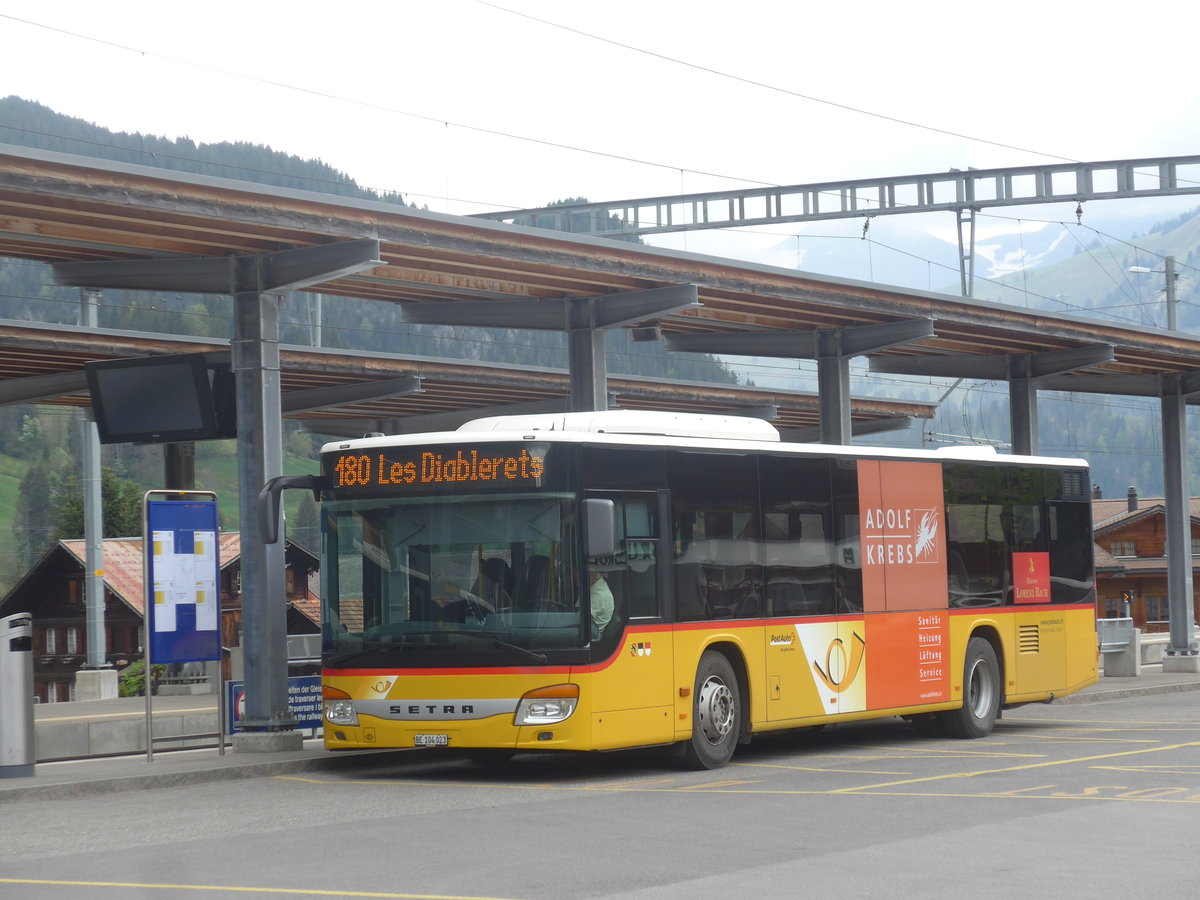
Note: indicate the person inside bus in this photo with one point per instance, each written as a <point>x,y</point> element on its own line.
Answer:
<point>600,599</point>
<point>496,583</point>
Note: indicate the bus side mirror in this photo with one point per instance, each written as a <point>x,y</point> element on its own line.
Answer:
<point>599,521</point>
<point>268,501</point>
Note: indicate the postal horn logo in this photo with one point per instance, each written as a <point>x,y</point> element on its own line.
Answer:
<point>841,668</point>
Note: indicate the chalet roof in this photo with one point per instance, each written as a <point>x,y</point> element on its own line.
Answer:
<point>1109,514</point>
<point>124,568</point>
<point>310,606</point>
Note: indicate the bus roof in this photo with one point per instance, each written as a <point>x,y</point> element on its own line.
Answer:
<point>635,421</point>
<point>654,428</point>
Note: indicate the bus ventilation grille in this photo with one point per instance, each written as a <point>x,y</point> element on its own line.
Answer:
<point>1075,486</point>
<point>1029,639</point>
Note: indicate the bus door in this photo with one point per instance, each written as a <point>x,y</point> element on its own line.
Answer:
<point>813,586</point>
<point>632,659</point>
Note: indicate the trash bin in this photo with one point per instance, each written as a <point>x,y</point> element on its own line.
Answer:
<point>16,696</point>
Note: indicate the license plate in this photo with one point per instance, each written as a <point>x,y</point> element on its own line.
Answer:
<point>431,740</point>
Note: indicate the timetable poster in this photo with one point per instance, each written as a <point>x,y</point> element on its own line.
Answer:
<point>183,581</point>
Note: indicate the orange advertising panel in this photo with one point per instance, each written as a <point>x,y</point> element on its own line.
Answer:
<point>910,659</point>
<point>902,527</point>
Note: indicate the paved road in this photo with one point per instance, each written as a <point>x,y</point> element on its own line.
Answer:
<point>1081,800</point>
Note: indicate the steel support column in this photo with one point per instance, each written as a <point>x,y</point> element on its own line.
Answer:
<point>1024,372</point>
<point>1182,653</point>
<point>179,466</point>
<point>584,319</point>
<point>586,365</point>
<point>255,348</point>
<point>833,388</point>
<point>93,540</point>
<point>1022,406</point>
<point>256,283</point>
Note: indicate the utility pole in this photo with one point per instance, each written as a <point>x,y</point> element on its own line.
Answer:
<point>1169,269</point>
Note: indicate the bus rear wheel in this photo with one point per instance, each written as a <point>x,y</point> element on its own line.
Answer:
<point>716,714</point>
<point>981,693</point>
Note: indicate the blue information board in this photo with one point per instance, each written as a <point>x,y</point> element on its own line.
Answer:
<point>304,701</point>
<point>183,580</point>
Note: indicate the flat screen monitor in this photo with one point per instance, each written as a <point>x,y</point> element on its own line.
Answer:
<point>156,399</point>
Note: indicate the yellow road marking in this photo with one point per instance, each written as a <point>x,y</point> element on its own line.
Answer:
<point>1025,768</point>
<point>1155,770</point>
<point>240,889</point>
<point>715,784</point>
<point>818,769</point>
<point>1015,791</point>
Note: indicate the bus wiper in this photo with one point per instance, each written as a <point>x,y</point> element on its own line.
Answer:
<point>524,651</point>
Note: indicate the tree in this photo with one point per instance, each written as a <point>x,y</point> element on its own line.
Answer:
<point>34,517</point>
<point>121,507</point>
<point>307,530</point>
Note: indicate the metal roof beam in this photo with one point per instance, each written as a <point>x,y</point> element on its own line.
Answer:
<point>604,311</point>
<point>997,368</point>
<point>855,341</point>
<point>42,387</point>
<point>271,273</point>
<point>1126,385</point>
<point>347,394</point>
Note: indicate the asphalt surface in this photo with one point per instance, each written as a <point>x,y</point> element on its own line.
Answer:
<point>75,778</point>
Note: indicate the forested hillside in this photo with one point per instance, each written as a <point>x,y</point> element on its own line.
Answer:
<point>39,446</point>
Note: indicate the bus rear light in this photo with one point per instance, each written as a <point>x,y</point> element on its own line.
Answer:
<point>339,708</point>
<point>547,705</point>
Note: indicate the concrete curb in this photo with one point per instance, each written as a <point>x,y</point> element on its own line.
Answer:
<point>28,789</point>
<point>1100,694</point>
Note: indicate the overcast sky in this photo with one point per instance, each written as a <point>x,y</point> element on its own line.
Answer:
<point>469,106</point>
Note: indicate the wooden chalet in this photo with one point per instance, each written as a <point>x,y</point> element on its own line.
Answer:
<point>1131,558</point>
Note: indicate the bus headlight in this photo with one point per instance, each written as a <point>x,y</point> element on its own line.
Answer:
<point>339,708</point>
<point>547,705</point>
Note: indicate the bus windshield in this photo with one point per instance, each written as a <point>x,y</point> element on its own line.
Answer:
<point>485,574</point>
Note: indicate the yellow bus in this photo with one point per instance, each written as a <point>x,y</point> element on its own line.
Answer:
<point>594,581</point>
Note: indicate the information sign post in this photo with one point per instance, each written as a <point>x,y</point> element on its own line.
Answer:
<point>182,565</point>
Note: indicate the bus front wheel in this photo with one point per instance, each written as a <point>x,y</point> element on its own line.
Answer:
<point>716,714</point>
<point>981,693</point>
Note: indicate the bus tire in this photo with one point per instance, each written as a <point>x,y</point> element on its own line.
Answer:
<point>716,714</point>
<point>981,693</point>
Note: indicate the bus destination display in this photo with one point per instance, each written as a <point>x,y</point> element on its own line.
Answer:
<point>399,468</point>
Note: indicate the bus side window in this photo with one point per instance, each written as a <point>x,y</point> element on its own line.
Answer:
<point>847,556</point>
<point>717,553</point>
<point>798,544</point>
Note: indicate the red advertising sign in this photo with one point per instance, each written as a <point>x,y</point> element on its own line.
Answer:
<point>1031,577</point>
